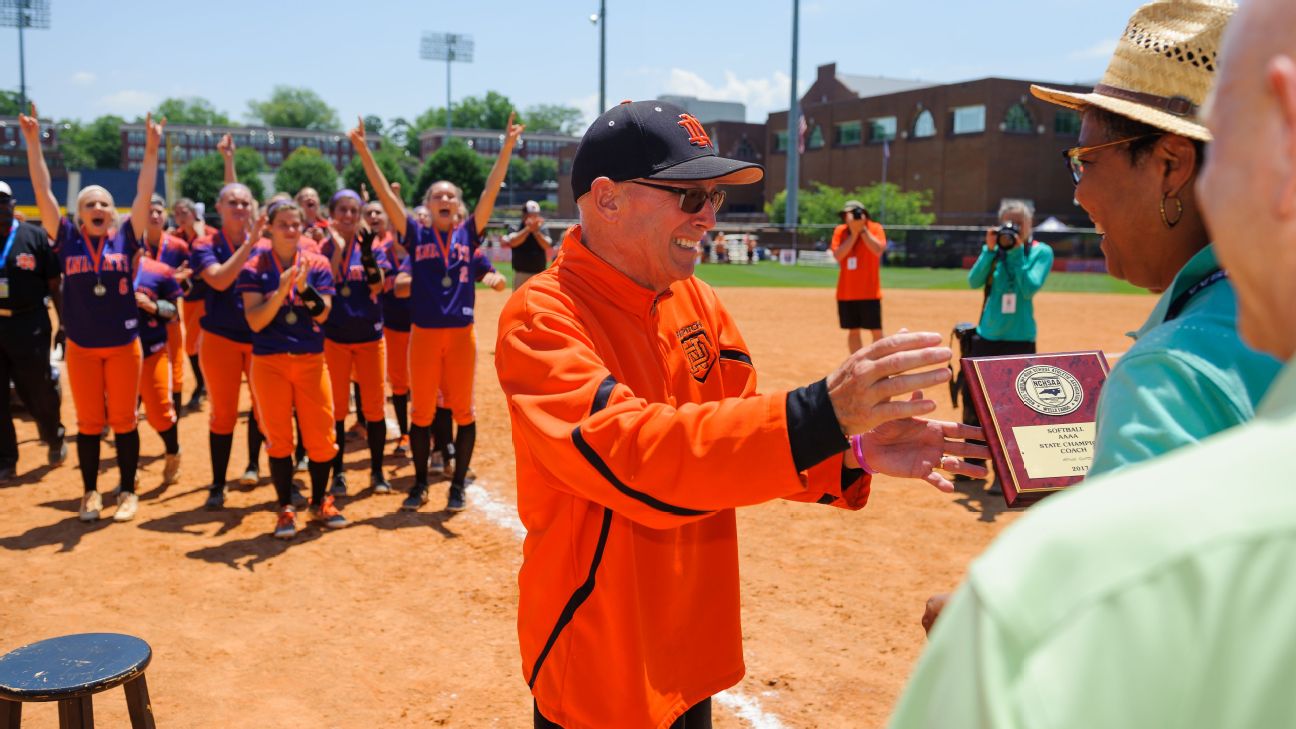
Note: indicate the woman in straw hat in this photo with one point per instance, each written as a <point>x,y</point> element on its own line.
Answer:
<point>1188,375</point>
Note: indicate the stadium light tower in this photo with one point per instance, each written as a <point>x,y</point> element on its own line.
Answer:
<point>24,14</point>
<point>600,19</point>
<point>448,47</point>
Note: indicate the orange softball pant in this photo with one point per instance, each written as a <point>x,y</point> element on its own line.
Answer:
<point>397,361</point>
<point>105,386</point>
<point>175,352</point>
<point>192,312</point>
<point>224,363</point>
<point>365,364</point>
<point>284,382</point>
<point>155,391</point>
<point>444,359</point>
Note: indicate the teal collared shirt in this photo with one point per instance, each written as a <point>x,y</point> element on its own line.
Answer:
<point>1184,379</point>
<point>1158,596</point>
<point>1020,274</point>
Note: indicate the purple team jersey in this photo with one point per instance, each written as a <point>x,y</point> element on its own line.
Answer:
<point>98,298</point>
<point>302,335</point>
<point>396,311</point>
<point>442,292</point>
<point>223,314</point>
<point>157,281</point>
<point>357,315</point>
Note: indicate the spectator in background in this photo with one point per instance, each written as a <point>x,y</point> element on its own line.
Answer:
<point>530,245</point>
<point>1012,267</point>
<point>857,244</point>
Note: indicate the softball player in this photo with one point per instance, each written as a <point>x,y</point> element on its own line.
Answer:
<point>226,346</point>
<point>102,323</point>
<point>353,344</point>
<point>396,332</point>
<point>164,247</point>
<point>286,292</point>
<point>438,279</point>
<point>157,296</point>
<point>189,229</point>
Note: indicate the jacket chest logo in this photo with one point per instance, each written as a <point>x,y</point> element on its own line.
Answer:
<point>26,261</point>
<point>699,351</point>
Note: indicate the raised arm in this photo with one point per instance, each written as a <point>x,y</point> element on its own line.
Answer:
<point>147,181</point>
<point>391,203</point>
<point>486,203</point>
<point>226,148</point>
<point>40,176</point>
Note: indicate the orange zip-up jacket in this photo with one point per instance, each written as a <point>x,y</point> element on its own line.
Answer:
<point>637,430</point>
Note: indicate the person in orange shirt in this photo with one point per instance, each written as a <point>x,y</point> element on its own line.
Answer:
<point>638,429</point>
<point>857,244</point>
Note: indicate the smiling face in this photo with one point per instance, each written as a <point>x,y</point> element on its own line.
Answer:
<point>156,219</point>
<point>346,215</point>
<point>95,210</point>
<point>375,218</point>
<point>423,216</point>
<point>442,202</point>
<point>235,207</point>
<point>184,217</point>
<point>309,202</point>
<point>650,239</point>
<point>286,226</point>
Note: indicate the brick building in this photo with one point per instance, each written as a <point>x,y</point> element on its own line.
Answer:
<point>487,142</point>
<point>272,143</point>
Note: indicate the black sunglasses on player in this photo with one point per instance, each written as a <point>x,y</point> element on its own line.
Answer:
<point>691,198</point>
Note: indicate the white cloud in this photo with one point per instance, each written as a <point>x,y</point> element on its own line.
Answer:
<point>1101,50</point>
<point>127,103</point>
<point>588,106</point>
<point>83,78</point>
<point>760,95</point>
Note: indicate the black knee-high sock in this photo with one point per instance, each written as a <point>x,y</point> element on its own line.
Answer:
<point>464,442</point>
<point>377,437</point>
<point>300,452</point>
<point>420,446</point>
<point>128,458</point>
<point>199,383</point>
<point>339,430</point>
<point>401,404</point>
<point>220,446</point>
<point>281,473</point>
<point>175,403</point>
<point>254,442</point>
<point>171,439</point>
<point>88,459</point>
<point>319,475</point>
<point>355,388</point>
<point>442,430</point>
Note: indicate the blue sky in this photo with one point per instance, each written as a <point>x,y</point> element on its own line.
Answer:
<point>125,55</point>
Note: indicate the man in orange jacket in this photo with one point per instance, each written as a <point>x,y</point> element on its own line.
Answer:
<point>638,429</point>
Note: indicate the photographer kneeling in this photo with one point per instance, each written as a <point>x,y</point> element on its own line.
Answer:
<point>1011,268</point>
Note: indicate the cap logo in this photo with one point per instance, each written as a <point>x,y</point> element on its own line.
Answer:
<point>697,135</point>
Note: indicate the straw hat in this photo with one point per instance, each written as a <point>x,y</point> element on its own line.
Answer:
<point>1163,68</point>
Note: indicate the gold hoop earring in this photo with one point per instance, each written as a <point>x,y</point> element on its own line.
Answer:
<point>1178,216</point>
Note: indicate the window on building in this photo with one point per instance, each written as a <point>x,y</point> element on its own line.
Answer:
<point>969,119</point>
<point>815,139</point>
<point>1067,122</point>
<point>882,129</point>
<point>746,152</point>
<point>848,134</point>
<point>1018,120</point>
<point>781,141</point>
<point>924,125</point>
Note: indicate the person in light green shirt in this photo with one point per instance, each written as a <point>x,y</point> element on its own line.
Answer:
<point>1161,595</point>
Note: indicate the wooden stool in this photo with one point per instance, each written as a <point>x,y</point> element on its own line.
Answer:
<point>70,670</point>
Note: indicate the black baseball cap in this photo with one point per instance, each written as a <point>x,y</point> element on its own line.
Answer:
<point>653,140</point>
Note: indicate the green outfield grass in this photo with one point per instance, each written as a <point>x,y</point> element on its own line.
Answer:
<point>772,274</point>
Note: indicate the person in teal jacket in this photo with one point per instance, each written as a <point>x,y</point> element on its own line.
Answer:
<point>1010,274</point>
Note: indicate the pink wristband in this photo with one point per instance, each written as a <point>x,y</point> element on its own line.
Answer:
<point>857,447</point>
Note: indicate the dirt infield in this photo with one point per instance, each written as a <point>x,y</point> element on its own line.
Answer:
<point>408,619</point>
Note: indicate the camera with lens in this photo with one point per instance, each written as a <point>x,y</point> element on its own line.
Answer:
<point>857,214</point>
<point>1008,235</point>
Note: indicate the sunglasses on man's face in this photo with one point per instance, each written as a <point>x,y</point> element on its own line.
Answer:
<point>691,198</point>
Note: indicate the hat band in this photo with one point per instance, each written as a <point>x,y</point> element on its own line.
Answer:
<point>1176,105</point>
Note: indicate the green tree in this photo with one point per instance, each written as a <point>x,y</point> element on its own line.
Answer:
<point>543,169</point>
<point>192,110</point>
<point>491,112</point>
<point>202,179</point>
<point>519,172</point>
<point>821,205</point>
<point>10,104</point>
<point>306,167</point>
<point>96,145</point>
<point>554,118</point>
<point>458,164</point>
<point>388,158</point>
<point>296,108</point>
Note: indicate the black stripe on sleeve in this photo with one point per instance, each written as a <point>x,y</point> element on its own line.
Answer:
<point>736,355</point>
<point>813,432</point>
<point>578,597</point>
<point>604,394</point>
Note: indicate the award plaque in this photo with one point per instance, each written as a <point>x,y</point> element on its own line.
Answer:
<point>1038,414</point>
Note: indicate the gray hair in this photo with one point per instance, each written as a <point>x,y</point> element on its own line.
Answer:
<point>1014,205</point>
